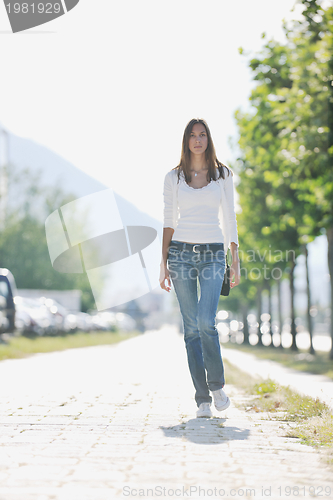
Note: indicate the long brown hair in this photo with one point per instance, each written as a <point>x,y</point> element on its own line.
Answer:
<point>210,154</point>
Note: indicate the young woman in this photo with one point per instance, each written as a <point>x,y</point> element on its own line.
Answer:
<point>199,226</point>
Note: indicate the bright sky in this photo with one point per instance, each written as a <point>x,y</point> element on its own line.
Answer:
<point>111,85</point>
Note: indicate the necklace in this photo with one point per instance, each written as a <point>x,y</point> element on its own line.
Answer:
<point>196,173</point>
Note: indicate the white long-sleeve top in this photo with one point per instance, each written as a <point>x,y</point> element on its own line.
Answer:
<point>203,215</point>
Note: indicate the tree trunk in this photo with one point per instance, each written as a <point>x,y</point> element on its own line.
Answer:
<point>259,317</point>
<point>279,284</point>
<point>245,312</point>
<point>310,329</point>
<point>292,307</point>
<point>270,311</point>
<point>329,233</point>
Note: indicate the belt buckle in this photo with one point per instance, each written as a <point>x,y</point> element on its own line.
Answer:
<point>194,248</point>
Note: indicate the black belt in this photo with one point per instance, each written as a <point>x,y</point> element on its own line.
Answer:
<point>197,247</point>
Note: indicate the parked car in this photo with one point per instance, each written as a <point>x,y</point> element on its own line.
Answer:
<point>31,316</point>
<point>103,320</point>
<point>125,322</point>
<point>7,305</point>
<point>45,316</point>
<point>84,321</point>
<point>58,315</point>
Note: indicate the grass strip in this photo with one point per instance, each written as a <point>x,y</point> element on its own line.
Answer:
<point>311,419</point>
<point>302,360</point>
<point>22,346</point>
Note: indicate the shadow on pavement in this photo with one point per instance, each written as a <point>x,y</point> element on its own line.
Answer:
<point>206,431</point>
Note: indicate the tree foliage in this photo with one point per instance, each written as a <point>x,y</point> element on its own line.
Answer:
<point>285,140</point>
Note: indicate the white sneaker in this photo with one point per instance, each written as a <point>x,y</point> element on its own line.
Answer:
<point>221,400</point>
<point>204,410</point>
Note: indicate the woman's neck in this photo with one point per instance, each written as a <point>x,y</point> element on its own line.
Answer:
<point>198,163</point>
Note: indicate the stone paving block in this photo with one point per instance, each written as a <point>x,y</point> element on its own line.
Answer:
<point>26,439</point>
<point>62,420</point>
<point>44,460</point>
<point>17,420</point>
<point>91,472</point>
<point>33,472</point>
<point>58,448</point>
<point>77,492</point>
<point>91,421</point>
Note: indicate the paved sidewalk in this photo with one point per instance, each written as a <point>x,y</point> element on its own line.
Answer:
<point>113,421</point>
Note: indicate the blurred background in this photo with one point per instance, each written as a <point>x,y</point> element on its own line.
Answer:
<point>99,98</point>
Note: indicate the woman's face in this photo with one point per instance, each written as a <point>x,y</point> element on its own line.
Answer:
<point>198,141</point>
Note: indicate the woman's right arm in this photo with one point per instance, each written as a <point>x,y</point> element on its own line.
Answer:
<point>168,230</point>
<point>164,271</point>
<point>167,237</point>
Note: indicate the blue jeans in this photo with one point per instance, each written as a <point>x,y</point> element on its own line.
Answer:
<point>206,262</point>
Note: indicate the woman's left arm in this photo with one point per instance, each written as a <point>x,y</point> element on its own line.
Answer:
<point>235,266</point>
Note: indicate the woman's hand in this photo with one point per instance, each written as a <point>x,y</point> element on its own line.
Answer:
<point>165,275</point>
<point>234,273</point>
<point>235,266</point>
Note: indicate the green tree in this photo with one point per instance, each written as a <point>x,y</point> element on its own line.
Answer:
<point>306,124</point>
<point>286,155</point>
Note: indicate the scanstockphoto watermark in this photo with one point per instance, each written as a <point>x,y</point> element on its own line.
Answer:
<point>266,264</point>
<point>24,15</point>
<point>272,256</point>
<point>202,492</point>
<point>111,242</point>
<point>188,492</point>
<point>255,264</point>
